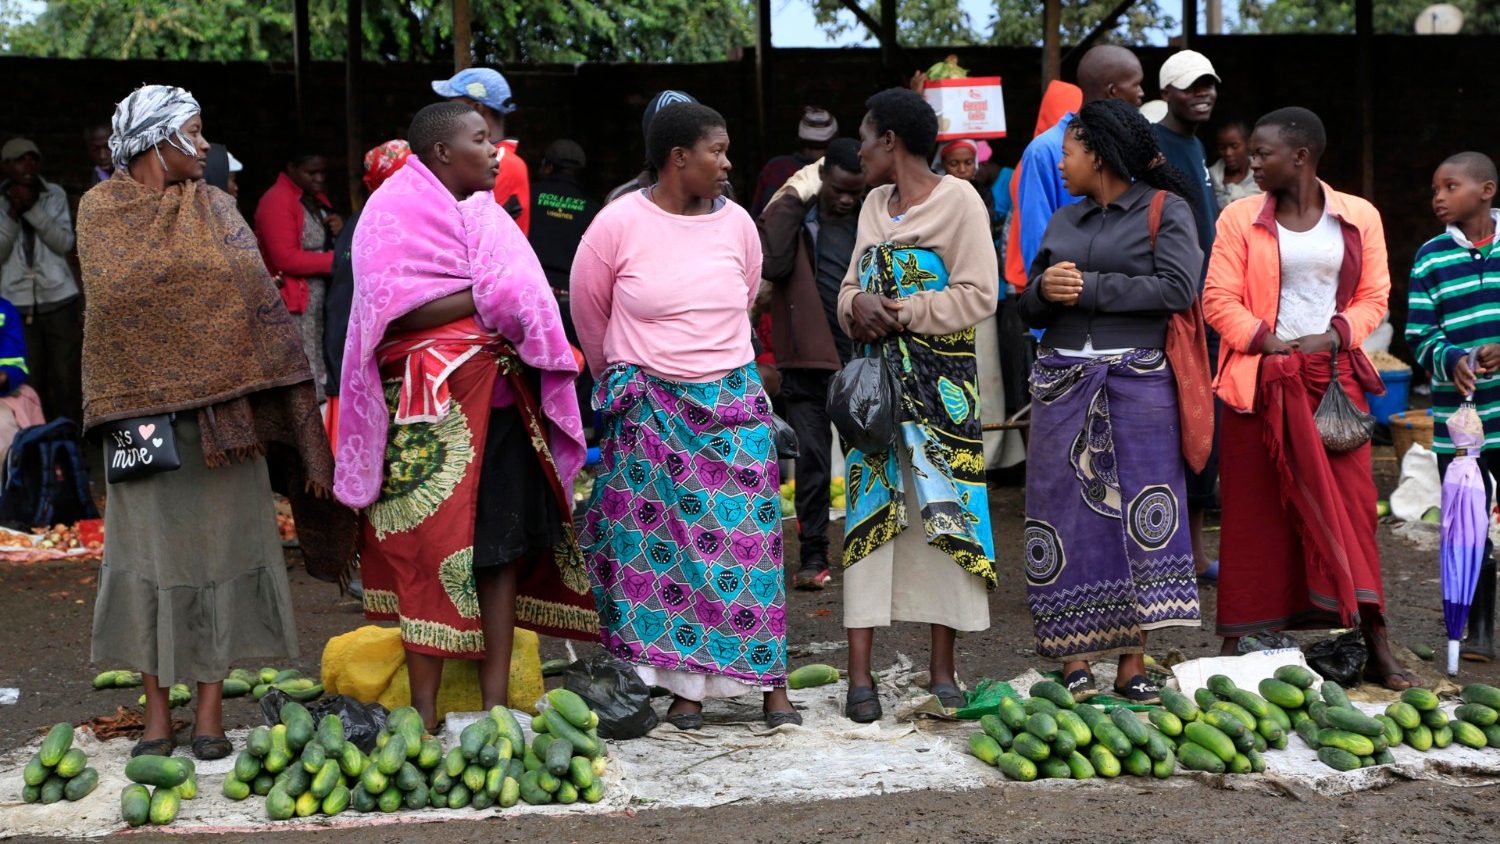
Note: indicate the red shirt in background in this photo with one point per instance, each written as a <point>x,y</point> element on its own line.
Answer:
<point>278,226</point>
<point>514,181</point>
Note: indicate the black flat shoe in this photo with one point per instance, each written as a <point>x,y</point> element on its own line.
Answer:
<point>686,720</point>
<point>782,718</point>
<point>862,705</point>
<point>153,747</point>
<point>1138,689</point>
<point>209,748</point>
<point>1081,685</point>
<point>948,695</point>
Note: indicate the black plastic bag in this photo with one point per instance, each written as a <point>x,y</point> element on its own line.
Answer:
<point>1341,660</point>
<point>862,403</point>
<point>1265,642</point>
<point>615,693</point>
<point>362,721</point>
<point>787,447</point>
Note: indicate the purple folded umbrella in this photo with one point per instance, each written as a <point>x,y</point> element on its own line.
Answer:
<point>1465,525</point>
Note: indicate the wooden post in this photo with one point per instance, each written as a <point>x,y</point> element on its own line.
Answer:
<point>1189,22</point>
<point>1051,42</point>
<point>888,43</point>
<point>1364,27</point>
<point>301,60</point>
<point>353,128</point>
<point>462,39</point>
<point>762,73</point>
<point>1215,16</point>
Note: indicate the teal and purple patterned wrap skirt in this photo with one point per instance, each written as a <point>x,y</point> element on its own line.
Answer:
<point>683,533</point>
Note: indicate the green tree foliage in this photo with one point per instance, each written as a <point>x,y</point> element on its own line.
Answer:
<point>1395,17</point>
<point>1012,23</point>
<point>504,31</point>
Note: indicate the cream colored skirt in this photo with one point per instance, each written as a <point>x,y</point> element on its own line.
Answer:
<point>908,580</point>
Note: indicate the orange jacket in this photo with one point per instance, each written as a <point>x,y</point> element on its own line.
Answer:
<point>1243,290</point>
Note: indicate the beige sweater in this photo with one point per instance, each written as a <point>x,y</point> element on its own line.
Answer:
<point>953,223</point>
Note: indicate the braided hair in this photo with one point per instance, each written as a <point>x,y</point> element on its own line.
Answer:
<point>1125,143</point>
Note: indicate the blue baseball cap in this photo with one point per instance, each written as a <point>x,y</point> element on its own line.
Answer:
<point>481,85</point>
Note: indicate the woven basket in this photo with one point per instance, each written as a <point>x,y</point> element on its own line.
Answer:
<point>1413,426</point>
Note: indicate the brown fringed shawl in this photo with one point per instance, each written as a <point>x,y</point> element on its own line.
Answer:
<point>180,315</point>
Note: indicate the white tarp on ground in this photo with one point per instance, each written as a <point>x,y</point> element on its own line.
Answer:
<point>736,760</point>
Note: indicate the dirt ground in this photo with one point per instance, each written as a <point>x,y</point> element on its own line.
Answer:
<point>46,612</point>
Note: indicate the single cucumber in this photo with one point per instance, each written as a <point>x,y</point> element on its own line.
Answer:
<point>1333,695</point>
<point>1054,692</point>
<point>1179,704</point>
<point>189,788</point>
<point>327,779</point>
<point>1240,764</point>
<point>296,780</point>
<point>1017,767</point>
<point>510,792</point>
<point>258,743</point>
<point>454,763</point>
<point>416,798</point>
<point>1240,713</point>
<point>374,780</point>
<point>1281,693</point>
<point>507,726</point>
<point>1157,746</point>
<point>1419,738</point>
<point>59,741</point>
<point>262,785</point>
<point>558,758</point>
<point>1221,685</point>
<point>1104,762</point>
<point>1405,715</point>
<point>1031,747</point>
<point>35,773</point>
<point>1308,729</point>
<point>280,806</point>
<point>235,789</point>
<point>1210,738</point>
<point>1043,726</point>
<point>338,800</point>
<point>1354,721</point>
<point>331,735</point>
<point>431,754</point>
<point>1127,722</point>
<point>409,777</point>
<point>73,761</point>
<point>352,761</point>
<point>570,706</point>
<point>985,748</point>
<point>82,785</point>
<point>1107,734</point>
<point>482,800</point>
<point>1165,721</point>
<point>1034,705</point>
<point>1357,744</point>
<point>473,778</point>
<point>1079,767</point>
<point>805,677</point>
<point>441,782</point>
<point>1054,769</point>
<point>1295,675</point>
<point>1280,716</point>
<point>313,757</point>
<point>1250,702</point>
<point>1442,737</point>
<point>1013,714</point>
<point>1435,718</point>
<point>473,737</point>
<point>1069,720</point>
<point>1225,723</point>
<point>996,729</point>
<point>361,800</point>
<point>159,771</point>
<point>1422,699</point>
<point>1338,759</point>
<point>164,806</point>
<point>1090,714</point>
<point>1483,694</point>
<point>1063,744</point>
<point>135,805</point>
<point>1195,757</point>
<point>236,688</point>
<point>393,799</point>
<point>1257,762</point>
<point>1393,731</point>
<point>532,792</point>
<point>1474,713</point>
<point>1385,757</point>
<point>1467,734</point>
<point>555,668</point>
<point>1204,698</point>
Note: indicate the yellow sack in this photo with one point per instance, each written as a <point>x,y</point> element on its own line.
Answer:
<point>369,665</point>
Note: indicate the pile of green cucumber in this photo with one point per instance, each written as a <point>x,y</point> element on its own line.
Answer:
<point>302,770</point>
<point>1347,739</point>
<point>1049,736</point>
<point>58,771</point>
<point>158,785</point>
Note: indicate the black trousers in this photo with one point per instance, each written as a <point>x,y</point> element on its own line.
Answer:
<point>805,394</point>
<point>54,354</point>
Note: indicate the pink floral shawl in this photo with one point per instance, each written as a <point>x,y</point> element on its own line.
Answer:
<point>415,244</point>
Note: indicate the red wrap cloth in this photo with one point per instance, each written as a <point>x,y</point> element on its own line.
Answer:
<point>1298,549</point>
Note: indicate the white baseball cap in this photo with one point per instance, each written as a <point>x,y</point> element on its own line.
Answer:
<point>1184,68</point>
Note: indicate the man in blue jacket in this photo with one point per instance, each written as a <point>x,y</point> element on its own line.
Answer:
<point>1105,72</point>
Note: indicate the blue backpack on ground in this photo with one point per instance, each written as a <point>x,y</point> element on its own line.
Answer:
<point>46,480</point>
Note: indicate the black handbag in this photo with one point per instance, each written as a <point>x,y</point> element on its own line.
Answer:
<point>139,447</point>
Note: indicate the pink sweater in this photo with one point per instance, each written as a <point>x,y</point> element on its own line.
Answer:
<point>668,293</point>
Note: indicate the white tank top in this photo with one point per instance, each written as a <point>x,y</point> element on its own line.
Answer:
<point>1310,264</point>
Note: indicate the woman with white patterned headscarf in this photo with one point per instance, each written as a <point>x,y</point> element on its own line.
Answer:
<point>187,342</point>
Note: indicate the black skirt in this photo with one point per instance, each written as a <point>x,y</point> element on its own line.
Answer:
<point>517,512</point>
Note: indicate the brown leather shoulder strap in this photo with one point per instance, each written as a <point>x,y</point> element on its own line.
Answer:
<point>1158,201</point>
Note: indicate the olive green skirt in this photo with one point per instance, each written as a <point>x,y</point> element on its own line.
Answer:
<point>193,577</point>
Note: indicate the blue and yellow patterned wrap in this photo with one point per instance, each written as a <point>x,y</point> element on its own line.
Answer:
<point>938,427</point>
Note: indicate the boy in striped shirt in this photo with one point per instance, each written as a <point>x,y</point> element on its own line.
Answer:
<point>1454,303</point>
